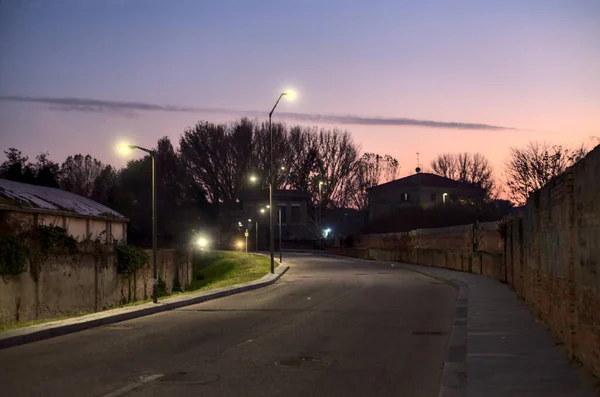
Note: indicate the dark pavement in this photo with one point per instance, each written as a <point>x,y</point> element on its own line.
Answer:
<point>329,327</point>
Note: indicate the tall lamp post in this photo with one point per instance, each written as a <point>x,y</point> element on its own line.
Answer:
<point>154,270</point>
<point>280,247</point>
<point>289,94</point>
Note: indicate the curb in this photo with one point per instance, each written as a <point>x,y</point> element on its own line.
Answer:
<point>48,333</point>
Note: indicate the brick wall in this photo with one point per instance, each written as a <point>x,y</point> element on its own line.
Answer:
<point>553,258</point>
<point>68,285</point>
<point>550,255</point>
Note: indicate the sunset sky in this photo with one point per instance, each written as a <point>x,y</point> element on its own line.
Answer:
<point>532,67</point>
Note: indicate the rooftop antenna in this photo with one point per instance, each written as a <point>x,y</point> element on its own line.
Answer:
<point>418,169</point>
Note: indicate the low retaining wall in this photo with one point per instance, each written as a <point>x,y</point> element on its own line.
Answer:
<point>85,282</point>
<point>487,264</point>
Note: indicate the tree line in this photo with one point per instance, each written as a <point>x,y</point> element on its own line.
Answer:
<point>206,175</point>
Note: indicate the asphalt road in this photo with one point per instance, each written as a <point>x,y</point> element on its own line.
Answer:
<point>329,327</point>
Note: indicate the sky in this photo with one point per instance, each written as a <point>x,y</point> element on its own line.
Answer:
<point>78,76</point>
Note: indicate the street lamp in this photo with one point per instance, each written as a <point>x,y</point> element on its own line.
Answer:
<point>154,270</point>
<point>289,95</point>
<point>444,197</point>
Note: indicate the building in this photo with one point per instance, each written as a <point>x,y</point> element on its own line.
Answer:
<point>298,228</point>
<point>25,206</point>
<point>420,189</point>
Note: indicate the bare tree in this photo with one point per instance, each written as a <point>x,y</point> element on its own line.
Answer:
<point>303,156</point>
<point>466,167</point>
<point>370,170</point>
<point>446,165</point>
<point>531,167</point>
<point>336,164</point>
<point>78,173</point>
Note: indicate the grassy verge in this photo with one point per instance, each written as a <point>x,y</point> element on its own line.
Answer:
<point>15,325</point>
<point>214,269</point>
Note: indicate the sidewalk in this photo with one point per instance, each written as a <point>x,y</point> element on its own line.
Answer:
<point>52,329</point>
<point>508,353</point>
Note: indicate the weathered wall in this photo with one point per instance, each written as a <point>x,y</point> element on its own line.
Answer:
<point>83,283</point>
<point>109,230</point>
<point>549,254</point>
<point>553,258</point>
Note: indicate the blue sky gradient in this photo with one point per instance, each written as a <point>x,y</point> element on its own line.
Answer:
<point>531,65</point>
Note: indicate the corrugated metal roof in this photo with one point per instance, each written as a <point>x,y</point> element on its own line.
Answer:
<point>49,199</point>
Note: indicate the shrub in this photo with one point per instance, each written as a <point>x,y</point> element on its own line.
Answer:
<point>13,256</point>
<point>130,259</point>
<point>53,239</point>
<point>161,288</point>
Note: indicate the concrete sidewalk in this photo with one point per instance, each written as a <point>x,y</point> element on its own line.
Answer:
<point>52,329</point>
<point>508,352</point>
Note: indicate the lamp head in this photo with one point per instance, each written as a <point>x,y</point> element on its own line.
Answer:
<point>124,148</point>
<point>290,94</point>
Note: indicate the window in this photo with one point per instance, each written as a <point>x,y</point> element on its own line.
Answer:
<point>283,209</point>
<point>295,213</point>
<point>405,197</point>
<point>433,197</point>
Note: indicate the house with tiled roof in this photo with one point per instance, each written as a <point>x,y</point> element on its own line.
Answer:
<point>420,190</point>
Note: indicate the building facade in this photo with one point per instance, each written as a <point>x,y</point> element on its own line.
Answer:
<point>297,221</point>
<point>419,190</point>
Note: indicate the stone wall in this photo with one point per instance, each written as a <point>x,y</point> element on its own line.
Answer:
<point>553,258</point>
<point>85,282</point>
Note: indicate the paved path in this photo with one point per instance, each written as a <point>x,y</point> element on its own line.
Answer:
<point>329,327</point>
<point>508,352</point>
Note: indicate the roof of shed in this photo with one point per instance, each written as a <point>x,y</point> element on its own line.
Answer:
<point>47,199</point>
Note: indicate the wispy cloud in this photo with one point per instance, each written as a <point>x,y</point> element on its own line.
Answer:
<point>98,105</point>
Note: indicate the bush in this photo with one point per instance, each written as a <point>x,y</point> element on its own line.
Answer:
<point>13,256</point>
<point>161,288</point>
<point>130,259</point>
<point>53,239</point>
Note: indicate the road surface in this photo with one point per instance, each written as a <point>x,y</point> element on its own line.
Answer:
<point>329,327</point>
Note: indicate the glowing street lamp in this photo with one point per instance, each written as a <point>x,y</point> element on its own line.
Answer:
<point>127,148</point>
<point>289,95</point>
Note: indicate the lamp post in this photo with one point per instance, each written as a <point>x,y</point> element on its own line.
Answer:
<point>154,270</point>
<point>280,246</point>
<point>289,94</point>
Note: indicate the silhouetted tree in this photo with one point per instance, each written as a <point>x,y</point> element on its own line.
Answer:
<point>78,174</point>
<point>466,167</point>
<point>337,161</point>
<point>16,167</point>
<point>371,170</point>
<point>47,172</point>
<point>531,167</point>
